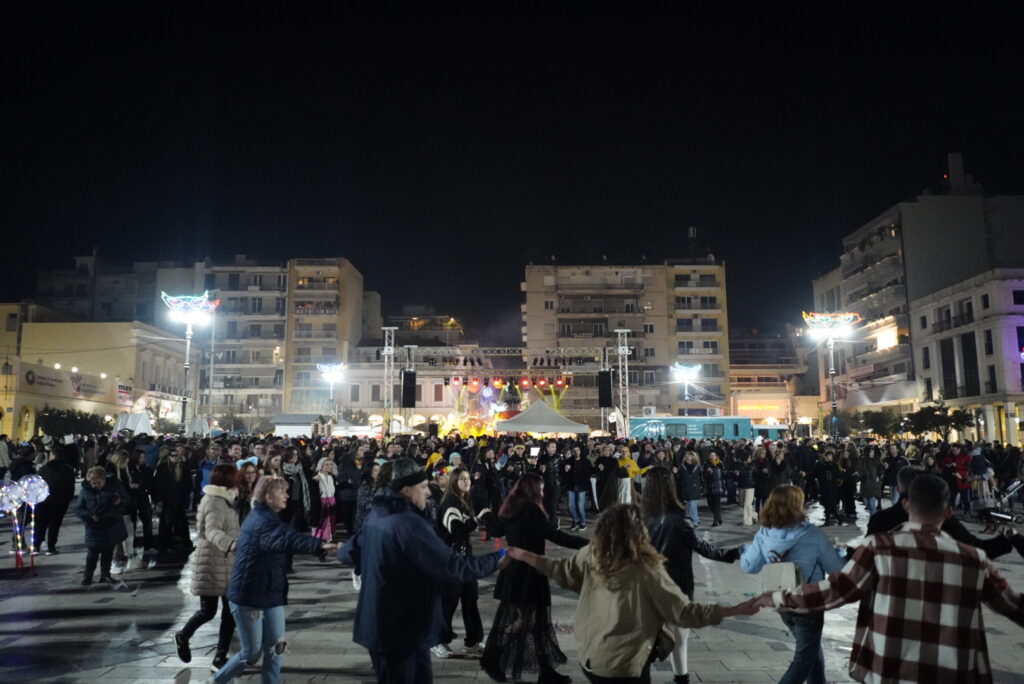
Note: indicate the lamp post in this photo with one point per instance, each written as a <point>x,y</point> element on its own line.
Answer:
<point>685,374</point>
<point>190,310</point>
<point>828,327</point>
<point>332,373</point>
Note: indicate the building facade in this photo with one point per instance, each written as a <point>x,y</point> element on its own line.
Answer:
<point>764,375</point>
<point>969,350</point>
<point>674,311</point>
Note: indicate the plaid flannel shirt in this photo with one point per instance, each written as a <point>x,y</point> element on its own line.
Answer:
<point>920,616</point>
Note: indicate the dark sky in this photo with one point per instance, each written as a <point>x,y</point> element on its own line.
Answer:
<point>441,153</point>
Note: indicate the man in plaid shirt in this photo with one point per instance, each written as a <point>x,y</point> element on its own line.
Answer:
<point>921,592</point>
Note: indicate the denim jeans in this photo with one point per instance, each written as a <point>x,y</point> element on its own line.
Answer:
<point>259,631</point>
<point>809,660</point>
<point>894,495</point>
<point>577,506</point>
<point>872,503</point>
<point>691,507</point>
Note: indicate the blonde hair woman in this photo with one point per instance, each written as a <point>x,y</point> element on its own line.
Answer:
<point>786,535</point>
<point>626,598</point>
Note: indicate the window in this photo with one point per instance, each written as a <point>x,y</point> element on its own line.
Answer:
<point>682,302</point>
<point>255,280</point>
<point>256,305</point>
<point>549,304</point>
<point>565,330</point>
<point>278,330</point>
<point>1018,297</point>
<point>630,306</point>
<point>233,280</point>
<point>375,393</point>
<point>12,322</point>
<point>549,281</point>
<point>990,386</point>
<point>684,325</point>
<point>600,329</point>
<point>924,322</point>
<point>282,281</point>
<point>926,358</point>
<point>708,325</point>
<point>714,430</point>
<point>303,353</point>
<point>330,353</point>
<point>928,389</point>
<point>988,342</point>
<point>648,352</point>
<point>710,370</point>
<point>648,328</point>
<point>712,345</point>
<point>232,330</point>
<point>438,392</point>
<point>709,302</point>
<point>419,392</point>
<point>229,356</point>
<point>302,378</point>
<point>713,392</point>
<point>353,394</point>
<point>210,281</point>
<point>279,306</point>
<point>254,356</point>
<point>684,347</point>
<point>984,301</point>
<point>255,330</point>
<point>633,377</point>
<point>229,398</point>
<point>649,377</point>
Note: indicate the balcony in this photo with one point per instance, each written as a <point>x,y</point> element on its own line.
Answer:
<point>316,311</point>
<point>316,286</point>
<point>942,326</point>
<point>591,286</point>
<point>314,359</point>
<point>697,331</point>
<point>315,334</point>
<point>701,351</point>
<point>696,306</point>
<point>963,319</point>
<point>687,283</point>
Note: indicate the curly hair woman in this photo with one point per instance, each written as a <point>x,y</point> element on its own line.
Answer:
<point>626,598</point>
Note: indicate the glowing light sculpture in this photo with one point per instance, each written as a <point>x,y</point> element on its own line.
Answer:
<point>12,495</point>
<point>190,310</point>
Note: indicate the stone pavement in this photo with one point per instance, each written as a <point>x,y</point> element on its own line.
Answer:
<point>54,630</point>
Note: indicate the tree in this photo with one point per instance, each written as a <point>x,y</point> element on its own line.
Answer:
<point>883,423</point>
<point>957,419</point>
<point>57,422</point>
<point>939,418</point>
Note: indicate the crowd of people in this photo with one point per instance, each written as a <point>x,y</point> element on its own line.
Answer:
<point>408,510</point>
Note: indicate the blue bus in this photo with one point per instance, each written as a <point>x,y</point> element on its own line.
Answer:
<point>703,427</point>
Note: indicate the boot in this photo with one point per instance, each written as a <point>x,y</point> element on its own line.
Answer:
<point>682,679</point>
<point>550,676</point>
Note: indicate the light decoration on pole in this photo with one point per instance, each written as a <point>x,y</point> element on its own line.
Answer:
<point>829,327</point>
<point>332,373</point>
<point>190,310</point>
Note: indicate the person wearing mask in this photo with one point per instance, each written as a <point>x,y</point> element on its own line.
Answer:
<point>455,524</point>
<point>101,507</point>
<point>522,636</point>
<point>673,537</point>
<point>626,598</point>
<point>403,563</point>
<point>60,478</point>
<point>217,530</point>
<point>172,486</point>
<point>787,536</point>
<point>932,635</point>
<point>258,588</point>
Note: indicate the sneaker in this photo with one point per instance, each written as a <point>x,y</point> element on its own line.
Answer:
<point>87,581</point>
<point>474,650</point>
<point>117,568</point>
<point>574,527</point>
<point>181,644</point>
<point>442,651</point>
<point>582,528</point>
<point>219,661</point>
<point>151,564</point>
<point>52,552</point>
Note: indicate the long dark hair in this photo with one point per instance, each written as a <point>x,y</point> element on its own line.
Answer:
<point>526,491</point>
<point>659,493</point>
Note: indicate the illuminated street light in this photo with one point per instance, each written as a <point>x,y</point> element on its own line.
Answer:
<point>190,310</point>
<point>332,373</point>
<point>686,374</point>
<point>829,327</point>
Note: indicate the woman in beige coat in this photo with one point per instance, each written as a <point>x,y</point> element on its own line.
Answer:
<point>217,528</point>
<point>626,599</point>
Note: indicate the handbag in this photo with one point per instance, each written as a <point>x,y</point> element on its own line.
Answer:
<point>779,574</point>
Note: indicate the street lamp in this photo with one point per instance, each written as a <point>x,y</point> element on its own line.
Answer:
<point>828,327</point>
<point>685,374</point>
<point>190,310</point>
<point>332,373</point>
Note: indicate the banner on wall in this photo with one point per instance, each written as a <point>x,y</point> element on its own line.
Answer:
<point>124,395</point>
<point>52,382</point>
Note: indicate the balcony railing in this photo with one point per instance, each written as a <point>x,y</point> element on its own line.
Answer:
<point>565,284</point>
<point>316,311</point>
<point>699,350</point>
<point>689,282</point>
<point>316,286</point>
<point>314,359</point>
<point>316,262</point>
<point>963,319</point>
<point>315,334</point>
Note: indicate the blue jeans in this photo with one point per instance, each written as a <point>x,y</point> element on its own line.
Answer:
<point>872,503</point>
<point>894,495</point>
<point>809,660</point>
<point>578,507</point>
<point>259,631</point>
<point>691,507</point>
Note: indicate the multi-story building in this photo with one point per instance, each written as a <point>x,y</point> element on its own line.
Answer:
<point>423,326</point>
<point>907,252</point>
<point>323,323</point>
<point>969,350</point>
<point>764,372</point>
<point>675,312</point>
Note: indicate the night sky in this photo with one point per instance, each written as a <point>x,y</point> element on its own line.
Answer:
<point>441,153</point>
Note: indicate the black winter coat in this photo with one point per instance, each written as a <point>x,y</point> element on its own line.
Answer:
<point>101,511</point>
<point>258,578</point>
<point>690,479</point>
<point>528,529</point>
<point>675,539</point>
<point>403,564</point>
<point>762,478</point>
<point>578,477</point>
<point>60,477</point>
<point>168,491</point>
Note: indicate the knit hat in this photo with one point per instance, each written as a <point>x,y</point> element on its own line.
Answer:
<point>405,473</point>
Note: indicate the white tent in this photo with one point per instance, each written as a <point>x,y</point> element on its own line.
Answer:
<point>540,417</point>
<point>136,422</point>
<point>199,426</point>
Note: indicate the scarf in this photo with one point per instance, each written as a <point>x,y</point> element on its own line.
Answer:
<point>293,469</point>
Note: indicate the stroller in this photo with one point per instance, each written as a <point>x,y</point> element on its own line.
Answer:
<point>1002,512</point>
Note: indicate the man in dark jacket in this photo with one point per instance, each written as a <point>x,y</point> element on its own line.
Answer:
<point>60,477</point>
<point>403,564</point>
<point>888,518</point>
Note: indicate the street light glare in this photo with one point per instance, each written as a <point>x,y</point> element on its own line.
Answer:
<point>685,373</point>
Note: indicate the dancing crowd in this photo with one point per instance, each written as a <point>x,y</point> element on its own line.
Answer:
<point>408,510</point>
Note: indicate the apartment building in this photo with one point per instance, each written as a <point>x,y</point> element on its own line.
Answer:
<point>764,374</point>
<point>969,350</point>
<point>675,312</point>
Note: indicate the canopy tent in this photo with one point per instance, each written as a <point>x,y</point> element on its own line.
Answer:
<point>199,426</point>
<point>540,418</point>
<point>138,423</point>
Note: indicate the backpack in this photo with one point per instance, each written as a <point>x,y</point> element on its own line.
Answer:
<point>779,574</point>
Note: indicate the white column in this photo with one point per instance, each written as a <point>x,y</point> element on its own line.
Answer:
<point>1012,434</point>
<point>990,422</point>
<point>958,363</point>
